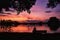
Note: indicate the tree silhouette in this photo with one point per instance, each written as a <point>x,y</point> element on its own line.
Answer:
<point>19,5</point>
<point>24,5</point>
<point>8,23</point>
<point>53,3</point>
<point>53,23</point>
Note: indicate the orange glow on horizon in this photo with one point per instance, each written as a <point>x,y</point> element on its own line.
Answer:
<point>20,18</point>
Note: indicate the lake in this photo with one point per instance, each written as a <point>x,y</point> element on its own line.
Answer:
<point>27,28</point>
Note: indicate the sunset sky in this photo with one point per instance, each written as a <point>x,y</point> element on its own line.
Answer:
<point>38,12</point>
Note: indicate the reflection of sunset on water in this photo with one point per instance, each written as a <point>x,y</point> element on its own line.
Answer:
<point>27,28</point>
<point>22,28</point>
<point>43,28</point>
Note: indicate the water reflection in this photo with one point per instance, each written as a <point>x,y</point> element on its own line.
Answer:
<point>22,28</point>
<point>19,28</point>
<point>26,28</point>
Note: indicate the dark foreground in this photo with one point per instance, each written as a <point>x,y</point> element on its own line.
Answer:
<point>28,36</point>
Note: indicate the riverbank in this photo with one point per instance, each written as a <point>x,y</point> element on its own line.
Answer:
<point>28,36</point>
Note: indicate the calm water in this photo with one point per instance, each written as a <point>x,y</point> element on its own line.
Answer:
<point>26,28</point>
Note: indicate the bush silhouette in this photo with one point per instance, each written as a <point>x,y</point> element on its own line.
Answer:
<point>53,23</point>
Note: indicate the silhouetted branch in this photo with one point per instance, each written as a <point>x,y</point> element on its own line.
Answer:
<point>53,3</point>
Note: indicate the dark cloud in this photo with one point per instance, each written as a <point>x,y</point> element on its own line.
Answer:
<point>48,11</point>
<point>8,13</point>
<point>5,14</point>
<point>2,15</point>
